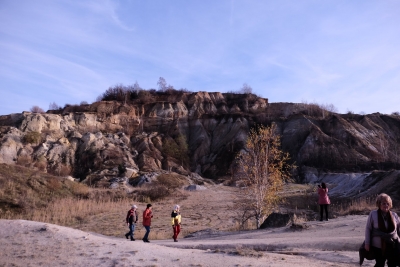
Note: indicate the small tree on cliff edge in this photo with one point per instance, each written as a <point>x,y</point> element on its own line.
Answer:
<point>263,169</point>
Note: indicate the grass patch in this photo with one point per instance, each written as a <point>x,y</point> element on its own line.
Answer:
<point>164,186</point>
<point>246,252</point>
<point>302,200</point>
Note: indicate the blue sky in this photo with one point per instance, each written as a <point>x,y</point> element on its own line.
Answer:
<point>340,52</point>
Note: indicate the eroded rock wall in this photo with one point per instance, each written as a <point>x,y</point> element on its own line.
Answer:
<point>109,134</point>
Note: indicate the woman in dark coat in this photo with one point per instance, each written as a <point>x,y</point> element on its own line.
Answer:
<point>381,233</point>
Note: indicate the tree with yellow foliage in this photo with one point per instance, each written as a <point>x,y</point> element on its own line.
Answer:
<point>263,168</point>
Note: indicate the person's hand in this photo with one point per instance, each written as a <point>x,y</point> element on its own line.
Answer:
<point>366,247</point>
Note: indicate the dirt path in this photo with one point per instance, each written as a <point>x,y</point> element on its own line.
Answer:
<point>212,208</point>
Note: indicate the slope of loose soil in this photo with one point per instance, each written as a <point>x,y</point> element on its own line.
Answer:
<point>333,243</point>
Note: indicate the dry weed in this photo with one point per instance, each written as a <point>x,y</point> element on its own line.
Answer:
<point>24,160</point>
<point>246,252</point>
<point>355,206</point>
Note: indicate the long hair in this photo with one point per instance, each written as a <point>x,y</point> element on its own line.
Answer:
<point>380,198</point>
<point>323,185</point>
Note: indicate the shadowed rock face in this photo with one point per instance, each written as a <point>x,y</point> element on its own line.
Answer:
<point>108,134</point>
<point>276,220</point>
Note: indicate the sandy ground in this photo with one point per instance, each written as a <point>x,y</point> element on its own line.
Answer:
<point>331,243</point>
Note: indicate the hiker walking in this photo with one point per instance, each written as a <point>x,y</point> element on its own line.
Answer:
<point>131,219</point>
<point>381,233</point>
<point>323,200</point>
<point>176,222</point>
<point>147,215</point>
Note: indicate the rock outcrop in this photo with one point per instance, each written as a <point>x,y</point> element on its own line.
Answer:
<point>193,133</point>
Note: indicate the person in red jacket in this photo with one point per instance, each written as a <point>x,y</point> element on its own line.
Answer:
<point>147,215</point>
<point>323,200</point>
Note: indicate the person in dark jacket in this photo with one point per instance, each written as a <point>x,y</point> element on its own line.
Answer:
<point>131,219</point>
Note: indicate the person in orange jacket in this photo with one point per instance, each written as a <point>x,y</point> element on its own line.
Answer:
<point>147,215</point>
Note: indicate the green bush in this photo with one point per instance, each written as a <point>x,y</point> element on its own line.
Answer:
<point>177,148</point>
<point>32,137</point>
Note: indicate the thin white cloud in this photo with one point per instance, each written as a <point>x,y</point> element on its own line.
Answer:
<point>109,9</point>
<point>287,51</point>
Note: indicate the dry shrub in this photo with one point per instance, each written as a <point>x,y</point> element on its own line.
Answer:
<point>78,189</point>
<point>112,157</point>
<point>60,170</point>
<point>165,185</point>
<point>153,193</point>
<point>299,218</point>
<point>27,200</point>
<point>246,252</point>
<point>53,184</point>
<point>65,170</point>
<point>170,180</point>
<point>41,164</point>
<point>319,110</point>
<point>146,97</point>
<point>24,160</point>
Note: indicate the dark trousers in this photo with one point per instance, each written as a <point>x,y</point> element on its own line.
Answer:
<point>146,235</point>
<point>380,259</point>
<point>323,207</point>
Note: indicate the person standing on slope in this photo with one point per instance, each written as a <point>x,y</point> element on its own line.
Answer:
<point>323,200</point>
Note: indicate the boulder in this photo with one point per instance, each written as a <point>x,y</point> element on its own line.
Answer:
<point>195,187</point>
<point>276,220</point>
<point>70,178</point>
<point>130,172</point>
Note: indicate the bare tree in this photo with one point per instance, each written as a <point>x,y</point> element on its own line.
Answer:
<point>263,169</point>
<point>136,87</point>
<point>327,109</point>
<point>37,109</point>
<point>54,106</point>
<point>246,89</point>
<point>162,84</point>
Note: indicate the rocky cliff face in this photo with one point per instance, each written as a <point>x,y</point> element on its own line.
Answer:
<point>192,132</point>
